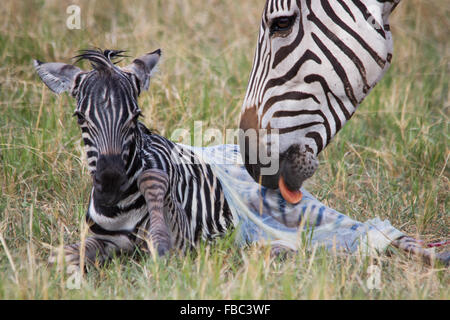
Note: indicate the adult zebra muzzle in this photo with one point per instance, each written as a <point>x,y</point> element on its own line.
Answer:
<point>109,180</point>
<point>297,164</point>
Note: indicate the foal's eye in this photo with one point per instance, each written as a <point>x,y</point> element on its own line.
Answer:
<point>137,114</point>
<point>134,118</point>
<point>281,24</point>
<point>80,117</point>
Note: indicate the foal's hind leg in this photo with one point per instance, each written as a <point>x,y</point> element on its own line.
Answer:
<point>280,250</point>
<point>412,246</point>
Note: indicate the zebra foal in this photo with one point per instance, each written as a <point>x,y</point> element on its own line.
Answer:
<point>147,192</point>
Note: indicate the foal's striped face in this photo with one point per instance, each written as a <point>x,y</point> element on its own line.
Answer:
<point>107,113</point>
<point>315,61</point>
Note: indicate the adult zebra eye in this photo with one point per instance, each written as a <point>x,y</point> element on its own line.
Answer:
<point>282,24</point>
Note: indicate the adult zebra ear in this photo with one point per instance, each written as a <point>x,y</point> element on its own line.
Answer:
<point>143,67</point>
<point>58,76</point>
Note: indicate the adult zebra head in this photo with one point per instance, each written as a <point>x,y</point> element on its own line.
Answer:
<point>107,113</point>
<point>315,62</point>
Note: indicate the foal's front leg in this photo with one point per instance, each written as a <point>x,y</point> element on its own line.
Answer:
<point>97,250</point>
<point>153,184</point>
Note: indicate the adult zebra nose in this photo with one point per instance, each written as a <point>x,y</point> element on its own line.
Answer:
<point>296,165</point>
<point>109,179</point>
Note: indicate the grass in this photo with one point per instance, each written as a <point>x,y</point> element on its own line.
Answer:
<point>390,161</point>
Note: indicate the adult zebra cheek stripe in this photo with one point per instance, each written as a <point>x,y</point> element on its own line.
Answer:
<point>292,197</point>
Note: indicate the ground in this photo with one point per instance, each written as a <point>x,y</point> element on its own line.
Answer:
<point>390,160</point>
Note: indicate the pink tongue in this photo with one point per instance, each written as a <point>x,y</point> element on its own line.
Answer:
<point>293,197</point>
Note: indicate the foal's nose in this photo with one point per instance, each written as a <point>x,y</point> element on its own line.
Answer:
<point>109,179</point>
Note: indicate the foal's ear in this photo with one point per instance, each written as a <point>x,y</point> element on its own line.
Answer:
<point>59,77</point>
<point>144,66</point>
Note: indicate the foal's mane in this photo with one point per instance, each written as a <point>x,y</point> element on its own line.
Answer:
<point>101,60</point>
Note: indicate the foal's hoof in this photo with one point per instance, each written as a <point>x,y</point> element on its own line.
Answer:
<point>71,257</point>
<point>444,258</point>
<point>281,252</point>
<point>163,251</point>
